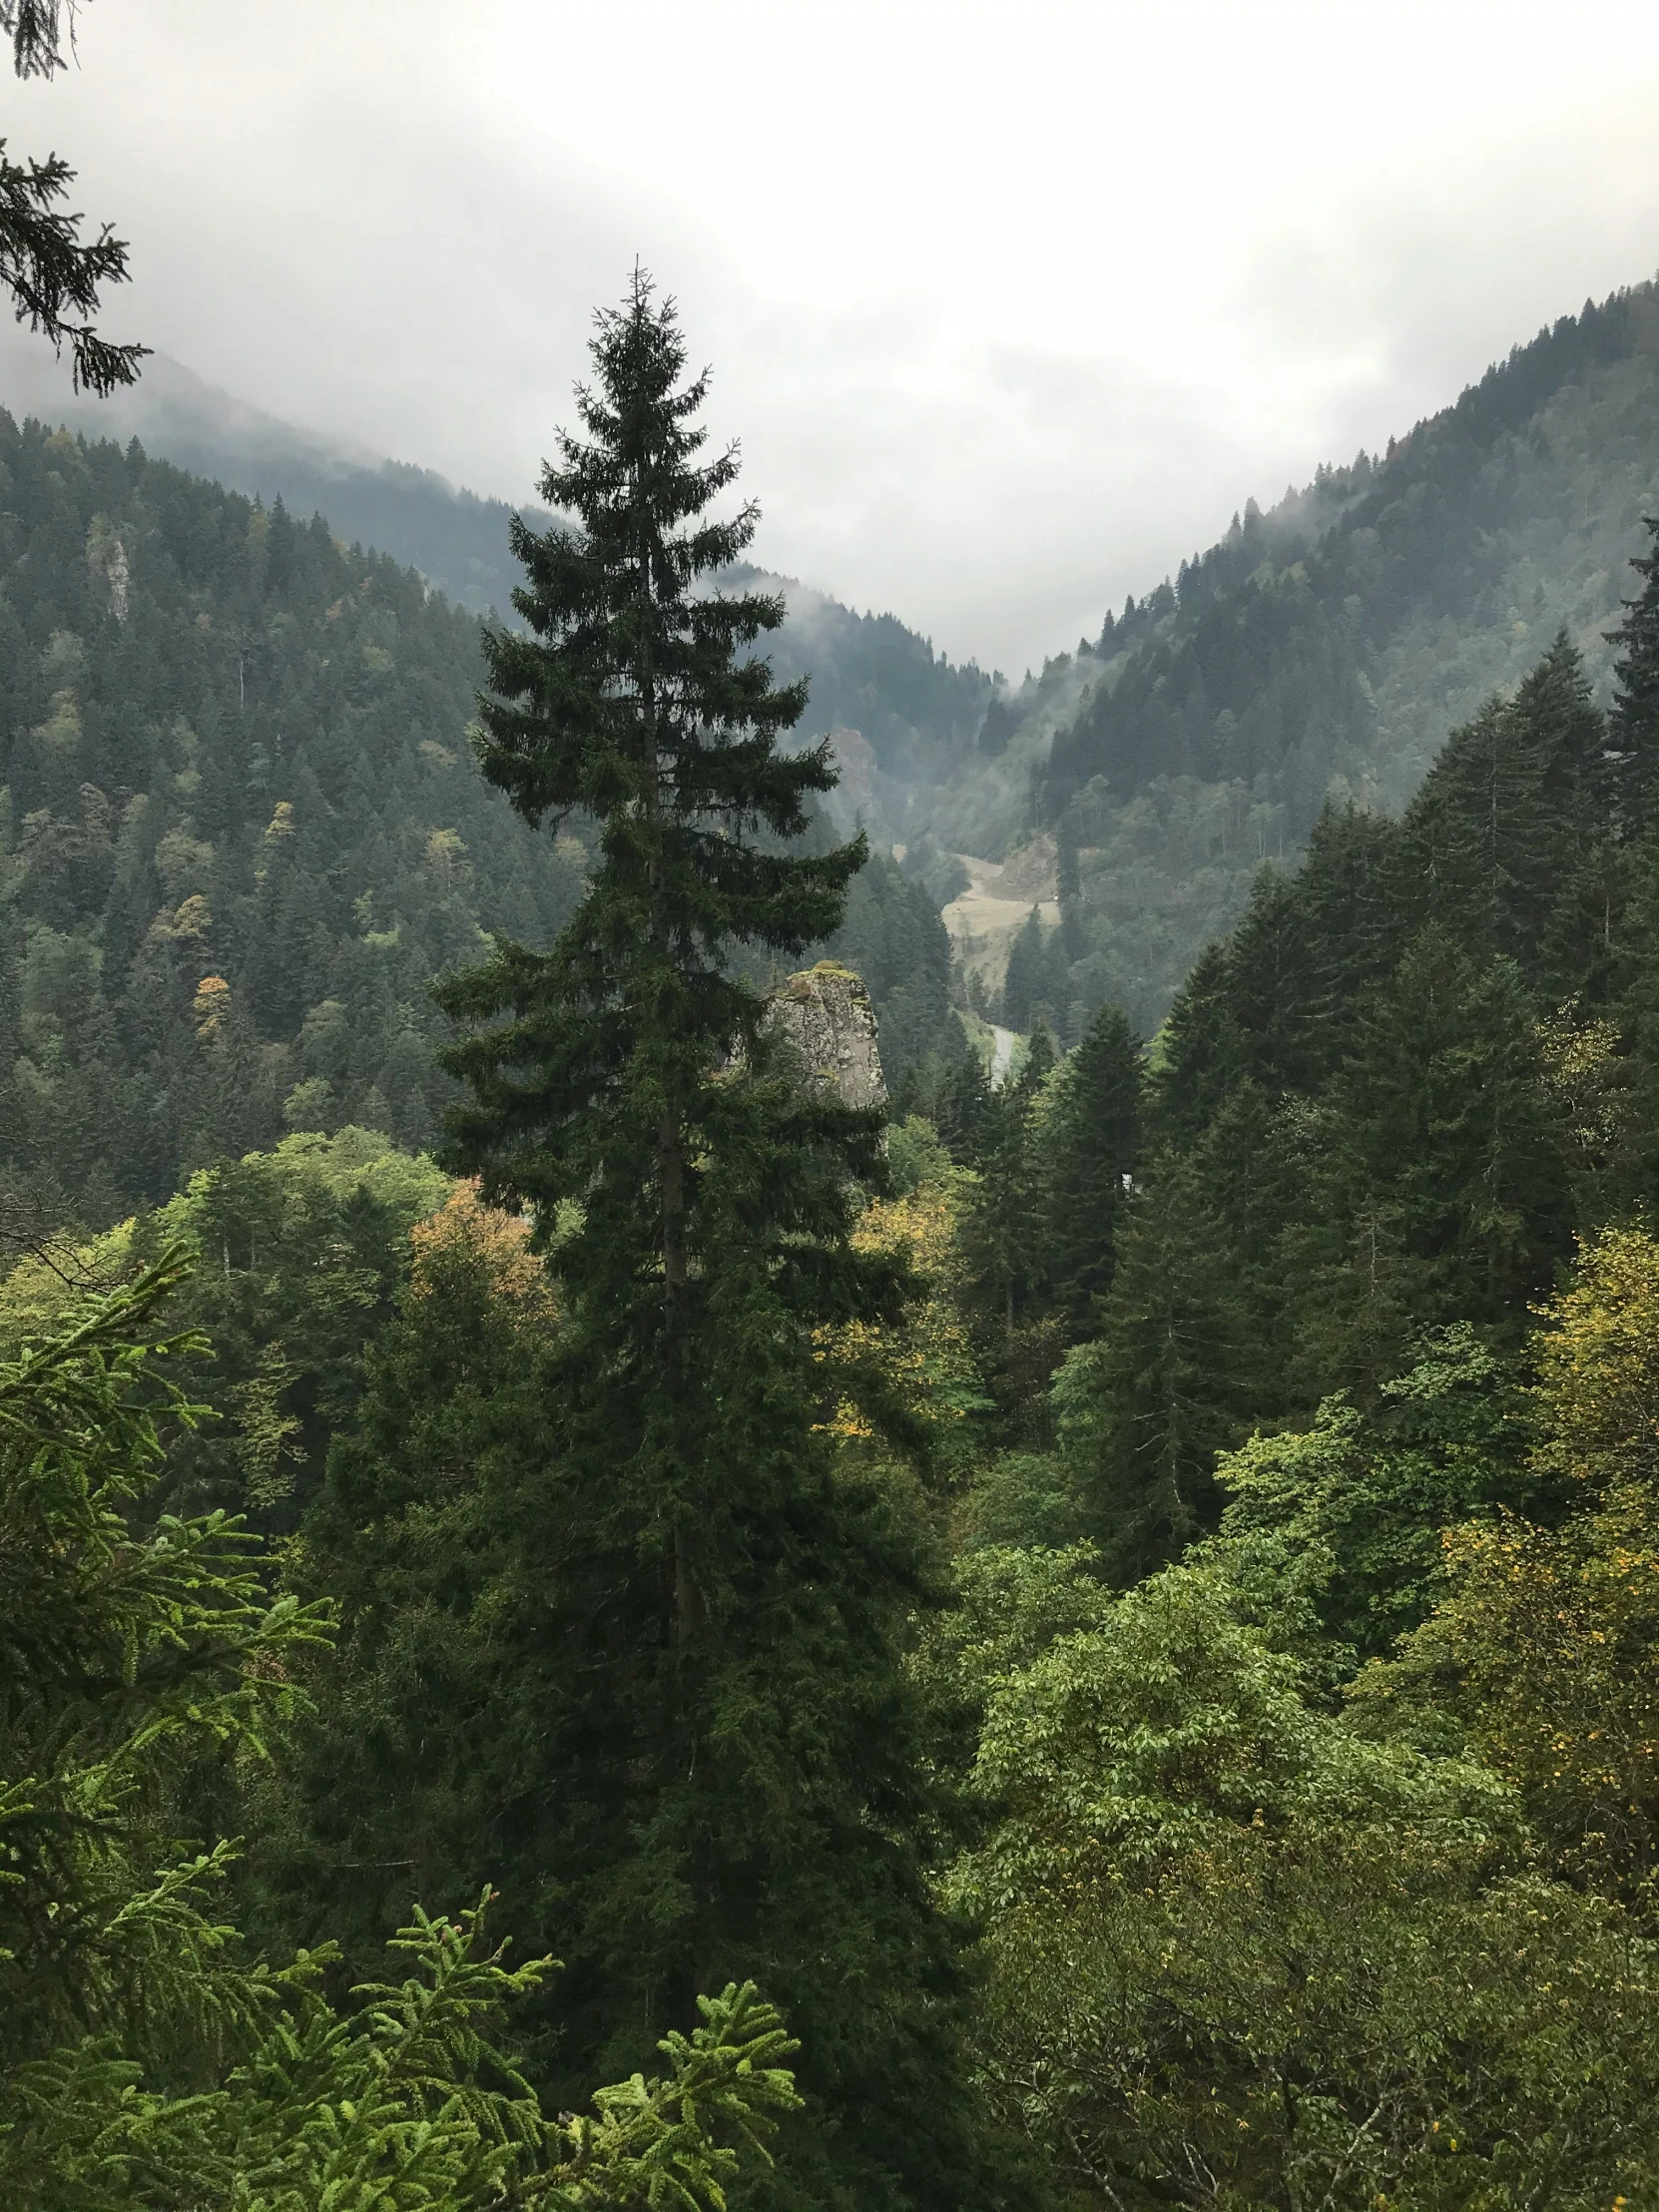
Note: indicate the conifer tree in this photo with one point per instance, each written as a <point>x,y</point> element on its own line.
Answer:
<point>1091,1144</point>
<point>965,1108</point>
<point>1144,1411</point>
<point>1476,835</point>
<point>1250,1178</point>
<point>1276,987</point>
<point>1023,983</point>
<point>1506,840</point>
<point>1350,898</point>
<point>725,1754</point>
<point>1446,1196</point>
<point>52,273</point>
<point>1198,1056</point>
<point>1002,1232</point>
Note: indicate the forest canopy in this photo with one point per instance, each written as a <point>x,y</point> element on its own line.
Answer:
<point>1076,1640</point>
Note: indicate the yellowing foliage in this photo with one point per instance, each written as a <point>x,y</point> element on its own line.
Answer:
<point>497,1239</point>
<point>928,1361</point>
<point>1548,1643</point>
<point>211,1003</point>
<point>1598,1362</point>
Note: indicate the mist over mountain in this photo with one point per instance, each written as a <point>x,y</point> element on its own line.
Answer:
<point>868,671</point>
<point>1316,653</point>
<point>1104,1559</point>
<point>240,832</point>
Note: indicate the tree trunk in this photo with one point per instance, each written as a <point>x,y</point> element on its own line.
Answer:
<point>689,1611</point>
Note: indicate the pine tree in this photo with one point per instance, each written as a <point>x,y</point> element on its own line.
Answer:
<point>1476,835</point>
<point>144,2056</point>
<point>52,273</point>
<point>1003,1229</point>
<point>1277,988</point>
<point>727,1758</point>
<point>1352,912</point>
<point>1090,1141</point>
<point>1581,901</point>
<point>965,1108</point>
<point>1508,837</point>
<point>1251,1177</point>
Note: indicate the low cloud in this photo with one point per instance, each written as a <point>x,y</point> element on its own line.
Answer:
<point>1010,308</point>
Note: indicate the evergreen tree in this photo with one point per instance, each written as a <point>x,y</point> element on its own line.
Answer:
<point>1476,835</point>
<point>965,1108</point>
<point>726,1756</point>
<point>144,2060</point>
<point>1251,1174</point>
<point>1446,1194</point>
<point>1090,1141</point>
<point>1003,1238</point>
<point>1196,1056</point>
<point>51,272</point>
<point>1276,988</point>
<point>1143,1412</point>
<point>1350,894</point>
<point>1506,840</point>
<point>1022,985</point>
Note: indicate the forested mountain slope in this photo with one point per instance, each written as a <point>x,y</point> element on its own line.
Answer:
<point>918,713</point>
<point>1324,648</point>
<point>240,831</point>
<point>1192,1511</point>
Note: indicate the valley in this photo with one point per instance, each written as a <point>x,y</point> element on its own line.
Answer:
<point>953,1380</point>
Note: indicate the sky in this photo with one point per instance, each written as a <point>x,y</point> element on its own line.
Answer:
<point>1011,305</point>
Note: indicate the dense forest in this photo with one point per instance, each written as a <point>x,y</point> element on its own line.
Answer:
<point>1323,648</point>
<point>1324,644</point>
<point>240,832</point>
<point>1085,1642</point>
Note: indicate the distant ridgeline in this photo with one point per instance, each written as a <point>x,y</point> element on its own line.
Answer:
<point>240,832</point>
<point>1326,647</point>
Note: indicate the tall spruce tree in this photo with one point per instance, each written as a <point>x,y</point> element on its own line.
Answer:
<point>1198,1056</point>
<point>52,273</point>
<point>720,1714</point>
<point>1143,1412</point>
<point>1445,1193</point>
<point>1023,983</point>
<point>1090,1145</point>
<point>1508,843</point>
<point>1003,1244</point>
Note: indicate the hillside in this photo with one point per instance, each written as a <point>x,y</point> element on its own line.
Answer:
<point>240,832</point>
<point>917,712</point>
<point>1321,649</point>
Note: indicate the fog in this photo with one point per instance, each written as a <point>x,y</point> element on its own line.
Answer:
<point>1010,304</point>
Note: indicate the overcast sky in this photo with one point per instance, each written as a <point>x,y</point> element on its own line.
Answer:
<point>1012,303</point>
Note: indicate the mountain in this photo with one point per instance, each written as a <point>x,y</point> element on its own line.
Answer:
<point>1086,833</point>
<point>871,676</point>
<point>240,832</point>
<point>457,540</point>
<point>1319,652</point>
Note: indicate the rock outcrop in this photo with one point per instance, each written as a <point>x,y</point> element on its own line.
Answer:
<point>826,1013</point>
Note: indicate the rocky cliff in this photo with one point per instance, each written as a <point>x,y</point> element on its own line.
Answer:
<point>826,1015</point>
